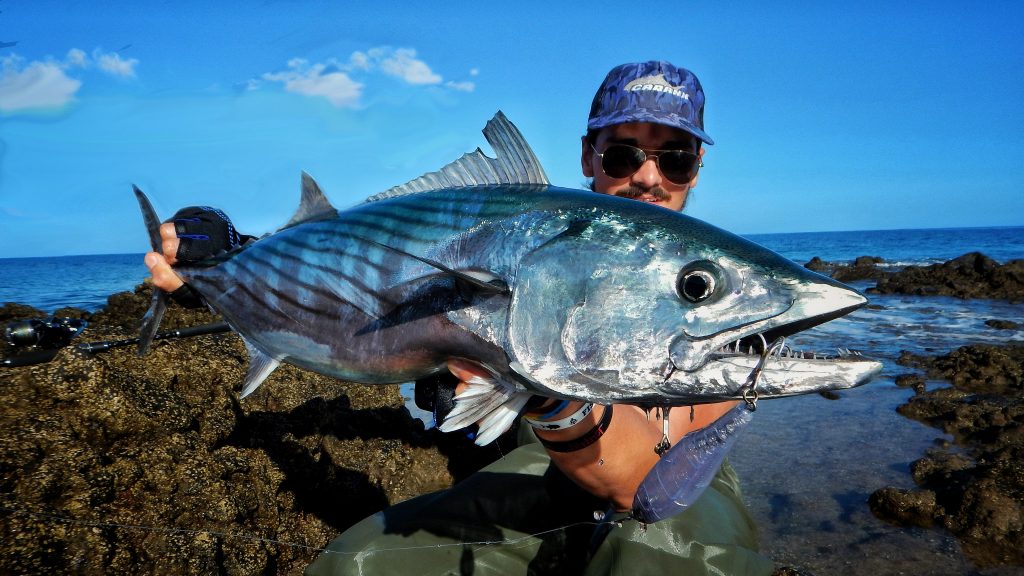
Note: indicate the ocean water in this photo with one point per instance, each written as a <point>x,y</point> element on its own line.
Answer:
<point>898,247</point>
<point>86,281</point>
<point>807,464</point>
<point>76,281</point>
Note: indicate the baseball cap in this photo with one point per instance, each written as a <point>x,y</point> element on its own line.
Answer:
<point>654,91</point>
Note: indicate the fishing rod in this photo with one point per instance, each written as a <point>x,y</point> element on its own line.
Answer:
<point>213,328</point>
<point>45,337</point>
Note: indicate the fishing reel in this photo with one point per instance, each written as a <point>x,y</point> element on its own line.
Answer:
<point>50,332</point>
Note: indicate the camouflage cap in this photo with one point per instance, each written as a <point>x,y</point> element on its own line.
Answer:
<point>652,91</point>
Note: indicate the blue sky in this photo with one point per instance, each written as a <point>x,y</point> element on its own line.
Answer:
<point>826,116</point>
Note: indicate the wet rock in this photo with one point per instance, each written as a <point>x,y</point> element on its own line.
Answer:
<point>1002,324</point>
<point>910,381</point>
<point>904,507</point>
<point>972,275</point>
<point>14,311</point>
<point>862,268</point>
<point>977,368</point>
<point>112,464</point>
<point>791,571</point>
<point>977,484</point>
<point>816,264</point>
<point>868,260</point>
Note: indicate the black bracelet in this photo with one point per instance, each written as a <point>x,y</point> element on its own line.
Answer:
<point>592,435</point>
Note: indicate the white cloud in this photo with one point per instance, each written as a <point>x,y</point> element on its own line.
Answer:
<point>402,63</point>
<point>464,86</point>
<point>359,61</point>
<point>319,80</point>
<point>77,58</point>
<point>45,84</point>
<point>113,64</point>
<point>333,79</point>
<point>36,86</point>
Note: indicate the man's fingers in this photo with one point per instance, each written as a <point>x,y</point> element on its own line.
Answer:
<point>167,231</point>
<point>164,276</point>
<point>465,371</point>
<point>170,242</point>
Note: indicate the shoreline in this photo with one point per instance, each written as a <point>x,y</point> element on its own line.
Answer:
<point>116,464</point>
<point>106,456</point>
<point>974,485</point>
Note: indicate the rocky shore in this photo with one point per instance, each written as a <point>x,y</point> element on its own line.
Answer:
<point>112,464</point>
<point>972,275</point>
<point>974,486</point>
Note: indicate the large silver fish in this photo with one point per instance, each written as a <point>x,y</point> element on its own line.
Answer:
<point>564,293</point>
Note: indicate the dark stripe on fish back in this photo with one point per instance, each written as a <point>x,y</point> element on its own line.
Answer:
<point>243,296</point>
<point>269,276</point>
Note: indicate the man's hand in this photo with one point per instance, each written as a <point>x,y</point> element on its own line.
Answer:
<point>164,277</point>
<point>193,233</point>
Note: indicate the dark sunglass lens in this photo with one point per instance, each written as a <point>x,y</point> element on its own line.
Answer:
<point>621,161</point>
<point>678,166</point>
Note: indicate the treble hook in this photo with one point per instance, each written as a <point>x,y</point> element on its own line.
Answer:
<point>749,388</point>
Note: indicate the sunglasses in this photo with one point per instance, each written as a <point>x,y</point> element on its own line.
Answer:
<point>623,160</point>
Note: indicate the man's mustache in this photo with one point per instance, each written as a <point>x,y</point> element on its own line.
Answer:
<point>658,193</point>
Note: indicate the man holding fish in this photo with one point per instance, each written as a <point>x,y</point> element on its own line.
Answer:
<point>520,515</point>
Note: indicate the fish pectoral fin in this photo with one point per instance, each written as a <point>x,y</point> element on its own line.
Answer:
<point>261,365</point>
<point>467,280</point>
<point>490,403</point>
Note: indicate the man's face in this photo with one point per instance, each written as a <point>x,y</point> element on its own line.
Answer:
<point>648,183</point>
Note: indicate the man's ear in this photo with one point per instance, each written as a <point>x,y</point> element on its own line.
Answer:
<point>700,155</point>
<point>586,155</point>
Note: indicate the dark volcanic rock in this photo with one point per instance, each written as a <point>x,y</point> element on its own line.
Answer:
<point>978,368</point>
<point>112,464</point>
<point>1002,324</point>
<point>911,381</point>
<point>972,275</point>
<point>977,490</point>
<point>816,264</point>
<point>862,268</point>
<point>14,311</point>
<point>904,507</point>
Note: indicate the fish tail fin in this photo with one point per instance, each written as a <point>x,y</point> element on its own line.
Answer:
<point>158,304</point>
<point>687,469</point>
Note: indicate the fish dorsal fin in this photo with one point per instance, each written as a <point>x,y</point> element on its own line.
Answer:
<point>515,163</point>
<point>313,205</point>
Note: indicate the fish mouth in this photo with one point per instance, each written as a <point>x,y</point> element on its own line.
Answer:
<point>757,361</point>
<point>812,304</point>
<point>757,342</point>
<point>743,370</point>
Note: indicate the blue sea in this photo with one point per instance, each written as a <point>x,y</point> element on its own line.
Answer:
<point>807,464</point>
<point>86,281</point>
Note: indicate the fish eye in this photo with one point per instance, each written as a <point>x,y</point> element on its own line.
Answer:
<point>695,285</point>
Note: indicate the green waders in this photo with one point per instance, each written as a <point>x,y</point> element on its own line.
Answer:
<point>521,515</point>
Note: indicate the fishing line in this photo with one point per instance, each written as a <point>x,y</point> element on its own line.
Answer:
<point>523,540</point>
